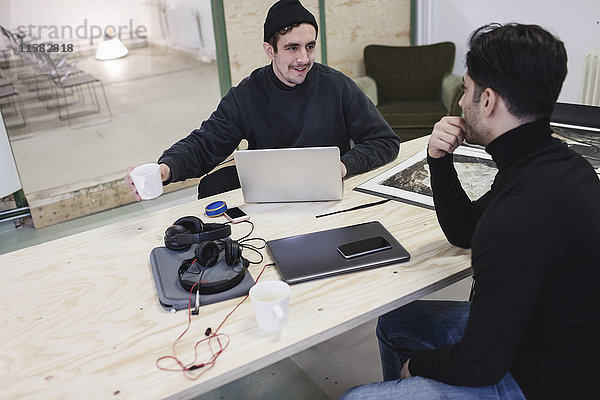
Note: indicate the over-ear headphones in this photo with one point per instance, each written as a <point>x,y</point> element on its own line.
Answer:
<point>206,255</point>
<point>207,252</point>
<point>188,230</point>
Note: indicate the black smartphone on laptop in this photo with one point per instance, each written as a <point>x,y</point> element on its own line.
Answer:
<point>364,247</point>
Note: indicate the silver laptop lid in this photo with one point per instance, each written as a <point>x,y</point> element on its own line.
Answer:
<point>296,264</point>
<point>290,174</point>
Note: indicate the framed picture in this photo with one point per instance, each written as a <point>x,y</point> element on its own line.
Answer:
<point>409,181</point>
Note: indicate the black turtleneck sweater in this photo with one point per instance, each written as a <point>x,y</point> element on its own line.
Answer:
<point>535,239</point>
<point>327,109</point>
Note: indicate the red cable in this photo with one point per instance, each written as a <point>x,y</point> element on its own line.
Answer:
<point>214,335</point>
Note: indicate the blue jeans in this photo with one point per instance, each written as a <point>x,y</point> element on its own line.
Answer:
<point>424,325</point>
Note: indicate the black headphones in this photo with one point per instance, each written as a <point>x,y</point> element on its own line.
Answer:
<point>207,252</point>
<point>206,255</point>
<point>188,230</point>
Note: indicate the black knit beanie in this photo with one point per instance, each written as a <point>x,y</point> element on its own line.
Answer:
<point>285,13</point>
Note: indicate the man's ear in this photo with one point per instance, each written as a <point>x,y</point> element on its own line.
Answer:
<point>269,50</point>
<point>489,101</point>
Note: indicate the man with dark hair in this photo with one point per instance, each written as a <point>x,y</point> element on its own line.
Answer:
<point>292,102</point>
<point>532,327</point>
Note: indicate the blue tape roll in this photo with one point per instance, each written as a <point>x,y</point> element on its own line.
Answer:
<point>215,209</point>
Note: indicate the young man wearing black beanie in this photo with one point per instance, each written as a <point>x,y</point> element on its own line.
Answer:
<point>292,102</point>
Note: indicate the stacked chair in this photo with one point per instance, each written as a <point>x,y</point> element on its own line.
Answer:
<point>55,78</point>
<point>10,102</point>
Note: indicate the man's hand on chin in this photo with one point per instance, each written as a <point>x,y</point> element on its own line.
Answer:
<point>447,135</point>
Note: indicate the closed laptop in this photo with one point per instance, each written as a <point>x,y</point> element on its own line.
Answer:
<point>317,255</point>
<point>290,174</point>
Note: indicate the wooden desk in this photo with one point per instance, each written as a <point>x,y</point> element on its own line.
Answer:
<point>81,319</point>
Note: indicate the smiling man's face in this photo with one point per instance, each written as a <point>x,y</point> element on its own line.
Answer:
<point>295,54</point>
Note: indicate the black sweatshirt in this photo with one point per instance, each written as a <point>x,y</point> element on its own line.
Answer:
<point>327,109</point>
<point>535,239</point>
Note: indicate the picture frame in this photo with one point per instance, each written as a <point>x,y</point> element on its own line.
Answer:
<point>409,181</point>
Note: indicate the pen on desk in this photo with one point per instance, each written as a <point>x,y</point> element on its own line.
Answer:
<point>355,208</point>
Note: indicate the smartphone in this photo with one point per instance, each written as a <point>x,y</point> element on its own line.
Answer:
<point>235,215</point>
<point>364,247</point>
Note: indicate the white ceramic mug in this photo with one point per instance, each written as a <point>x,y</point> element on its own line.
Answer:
<point>271,301</point>
<point>147,180</point>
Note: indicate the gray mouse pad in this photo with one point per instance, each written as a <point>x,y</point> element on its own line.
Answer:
<point>165,264</point>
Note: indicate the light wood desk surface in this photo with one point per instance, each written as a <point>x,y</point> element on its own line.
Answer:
<point>81,319</point>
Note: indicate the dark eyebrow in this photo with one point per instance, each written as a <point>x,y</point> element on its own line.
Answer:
<point>314,42</point>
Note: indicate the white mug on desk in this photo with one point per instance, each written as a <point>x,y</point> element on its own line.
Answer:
<point>271,301</point>
<point>147,180</point>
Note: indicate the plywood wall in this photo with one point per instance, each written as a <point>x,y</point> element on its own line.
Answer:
<point>351,25</point>
<point>354,24</point>
<point>244,23</point>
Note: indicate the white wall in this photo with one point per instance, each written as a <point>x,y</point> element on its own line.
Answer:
<point>575,22</point>
<point>9,178</point>
<point>88,19</point>
<point>187,25</point>
<point>66,15</point>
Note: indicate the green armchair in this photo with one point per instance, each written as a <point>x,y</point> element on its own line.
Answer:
<point>413,87</point>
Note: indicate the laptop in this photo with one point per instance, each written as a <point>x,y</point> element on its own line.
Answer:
<point>579,126</point>
<point>319,254</point>
<point>578,116</point>
<point>289,174</point>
